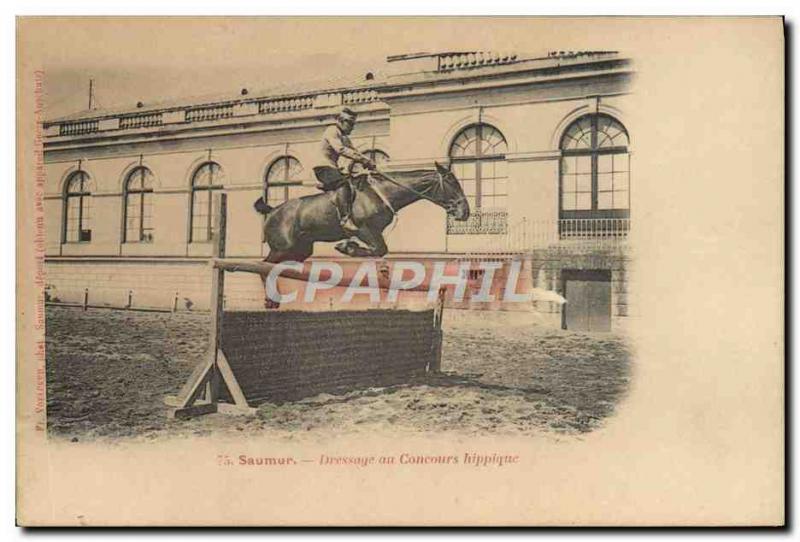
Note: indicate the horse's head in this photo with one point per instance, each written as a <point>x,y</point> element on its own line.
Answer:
<point>451,195</point>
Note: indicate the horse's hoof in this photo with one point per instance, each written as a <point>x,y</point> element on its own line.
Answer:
<point>271,305</point>
<point>345,247</point>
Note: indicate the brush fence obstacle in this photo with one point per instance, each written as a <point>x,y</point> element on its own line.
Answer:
<point>275,356</point>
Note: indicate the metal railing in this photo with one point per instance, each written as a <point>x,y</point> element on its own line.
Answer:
<point>594,228</point>
<point>528,235</point>
<point>481,221</point>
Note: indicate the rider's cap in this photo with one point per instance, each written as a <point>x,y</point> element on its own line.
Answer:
<point>346,111</point>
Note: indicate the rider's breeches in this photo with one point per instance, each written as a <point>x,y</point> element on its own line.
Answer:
<point>344,198</point>
<point>329,177</point>
<point>332,179</point>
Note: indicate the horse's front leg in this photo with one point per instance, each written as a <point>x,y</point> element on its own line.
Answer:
<point>375,244</point>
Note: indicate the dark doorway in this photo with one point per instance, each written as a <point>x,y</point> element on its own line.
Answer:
<point>588,294</point>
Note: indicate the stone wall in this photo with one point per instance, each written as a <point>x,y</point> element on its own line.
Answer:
<point>548,266</point>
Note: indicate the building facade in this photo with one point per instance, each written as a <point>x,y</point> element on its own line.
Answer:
<point>541,145</point>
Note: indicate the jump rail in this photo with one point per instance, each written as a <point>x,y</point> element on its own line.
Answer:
<point>265,268</point>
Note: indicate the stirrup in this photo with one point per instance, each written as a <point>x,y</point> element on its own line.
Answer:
<point>346,221</point>
<point>347,224</point>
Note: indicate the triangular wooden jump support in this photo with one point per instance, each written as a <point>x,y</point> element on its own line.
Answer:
<point>201,393</point>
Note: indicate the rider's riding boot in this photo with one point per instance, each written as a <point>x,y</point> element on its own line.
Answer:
<point>345,207</point>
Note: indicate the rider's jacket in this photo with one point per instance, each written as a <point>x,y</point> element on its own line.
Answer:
<point>334,145</point>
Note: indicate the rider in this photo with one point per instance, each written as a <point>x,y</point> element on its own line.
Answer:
<point>336,144</point>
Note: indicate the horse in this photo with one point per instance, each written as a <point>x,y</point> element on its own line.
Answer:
<point>292,228</point>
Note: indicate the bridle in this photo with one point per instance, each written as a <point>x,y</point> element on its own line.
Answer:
<point>448,205</point>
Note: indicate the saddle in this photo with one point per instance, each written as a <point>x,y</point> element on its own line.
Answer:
<point>329,179</point>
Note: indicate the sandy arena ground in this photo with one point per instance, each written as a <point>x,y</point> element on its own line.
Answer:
<point>108,371</point>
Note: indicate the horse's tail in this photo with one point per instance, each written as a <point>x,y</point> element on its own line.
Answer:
<point>261,206</point>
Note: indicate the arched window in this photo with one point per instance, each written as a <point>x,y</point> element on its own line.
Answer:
<point>283,176</point>
<point>378,156</point>
<point>208,178</point>
<point>139,206</point>
<point>478,158</point>
<point>78,208</point>
<point>594,178</point>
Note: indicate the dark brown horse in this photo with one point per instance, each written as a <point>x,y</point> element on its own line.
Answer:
<point>292,228</point>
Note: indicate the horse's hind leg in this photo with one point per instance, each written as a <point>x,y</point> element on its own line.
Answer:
<point>375,244</point>
<point>277,256</point>
<point>298,254</point>
<point>273,257</point>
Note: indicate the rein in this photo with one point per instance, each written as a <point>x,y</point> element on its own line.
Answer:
<point>422,195</point>
<point>381,195</point>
